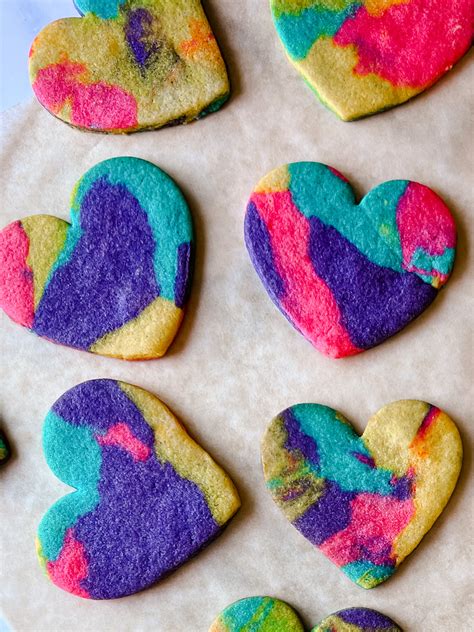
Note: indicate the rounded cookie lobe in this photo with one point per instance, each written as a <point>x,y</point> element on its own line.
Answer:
<point>365,502</point>
<point>148,497</point>
<point>116,280</point>
<point>357,620</point>
<point>346,275</point>
<point>259,614</point>
<point>129,66</point>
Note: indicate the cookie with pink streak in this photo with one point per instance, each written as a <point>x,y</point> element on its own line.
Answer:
<point>116,280</point>
<point>147,497</point>
<point>364,56</point>
<point>365,502</point>
<point>346,275</point>
<point>129,65</point>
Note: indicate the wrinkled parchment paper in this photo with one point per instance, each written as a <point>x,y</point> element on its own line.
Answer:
<point>237,362</point>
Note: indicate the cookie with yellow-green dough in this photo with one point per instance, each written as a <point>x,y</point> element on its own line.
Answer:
<point>364,501</point>
<point>129,65</point>
<point>357,620</point>
<point>258,614</point>
<point>267,614</point>
<point>365,56</point>
<point>115,281</point>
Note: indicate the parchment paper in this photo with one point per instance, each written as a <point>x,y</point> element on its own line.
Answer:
<point>237,362</point>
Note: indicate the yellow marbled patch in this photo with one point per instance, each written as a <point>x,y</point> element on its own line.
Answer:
<point>46,235</point>
<point>283,615</point>
<point>334,623</point>
<point>274,182</point>
<point>294,486</point>
<point>147,336</point>
<point>378,7</point>
<point>218,626</point>
<point>435,458</point>
<point>41,556</point>
<point>174,445</point>
<point>295,7</point>
<point>329,70</point>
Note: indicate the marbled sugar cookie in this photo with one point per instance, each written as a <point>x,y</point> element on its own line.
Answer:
<point>357,620</point>
<point>148,497</point>
<point>363,56</point>
<point>365,502</point>
<point>267,614</point>
<point>129,65</point>
<point>116,280</point>
<point>348,276</point>
<point>258,614</point>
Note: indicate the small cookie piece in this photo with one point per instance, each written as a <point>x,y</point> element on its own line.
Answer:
<point>148,497</point>
<point>357,620</point>
<point>116,280</point>
<point>258,614</point>
<point>129,65</point>
<point>364,56</point>
<point>365,502</point>
<point>347,276</point>
<point>4,449</point>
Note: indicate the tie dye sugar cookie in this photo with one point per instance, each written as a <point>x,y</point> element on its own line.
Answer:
<point>148,497</point>
<point>116,280</point>
<point>364,56</point>
<point>267,614</point>
<point>258,614</point>
<point>348,276</point>
<point>129,65</point>
<point>357,620</point>
<point>365,502</point>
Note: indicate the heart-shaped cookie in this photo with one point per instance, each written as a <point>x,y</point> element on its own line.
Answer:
<point>267,614</point>
<point>115,281</point>
<point>364,56</point>
<point>129,65</point>
<point>347,276</point>
<point>365,502</point>
<point>148,497</point>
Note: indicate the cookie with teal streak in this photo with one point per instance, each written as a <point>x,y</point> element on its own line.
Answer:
<point>105,9</point>
<point>364,501</point>
<point>116,280</point>
<point>365,56</point>
<point>258,614</point>
<point>147,498</point>
<point>347,274</point>
<point>267,614</point>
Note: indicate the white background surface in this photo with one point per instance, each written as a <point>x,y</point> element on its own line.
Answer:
<point>237,362</point>
<point>20,23</point>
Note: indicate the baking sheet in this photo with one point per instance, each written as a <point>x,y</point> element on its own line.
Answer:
<point>237,362</point>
